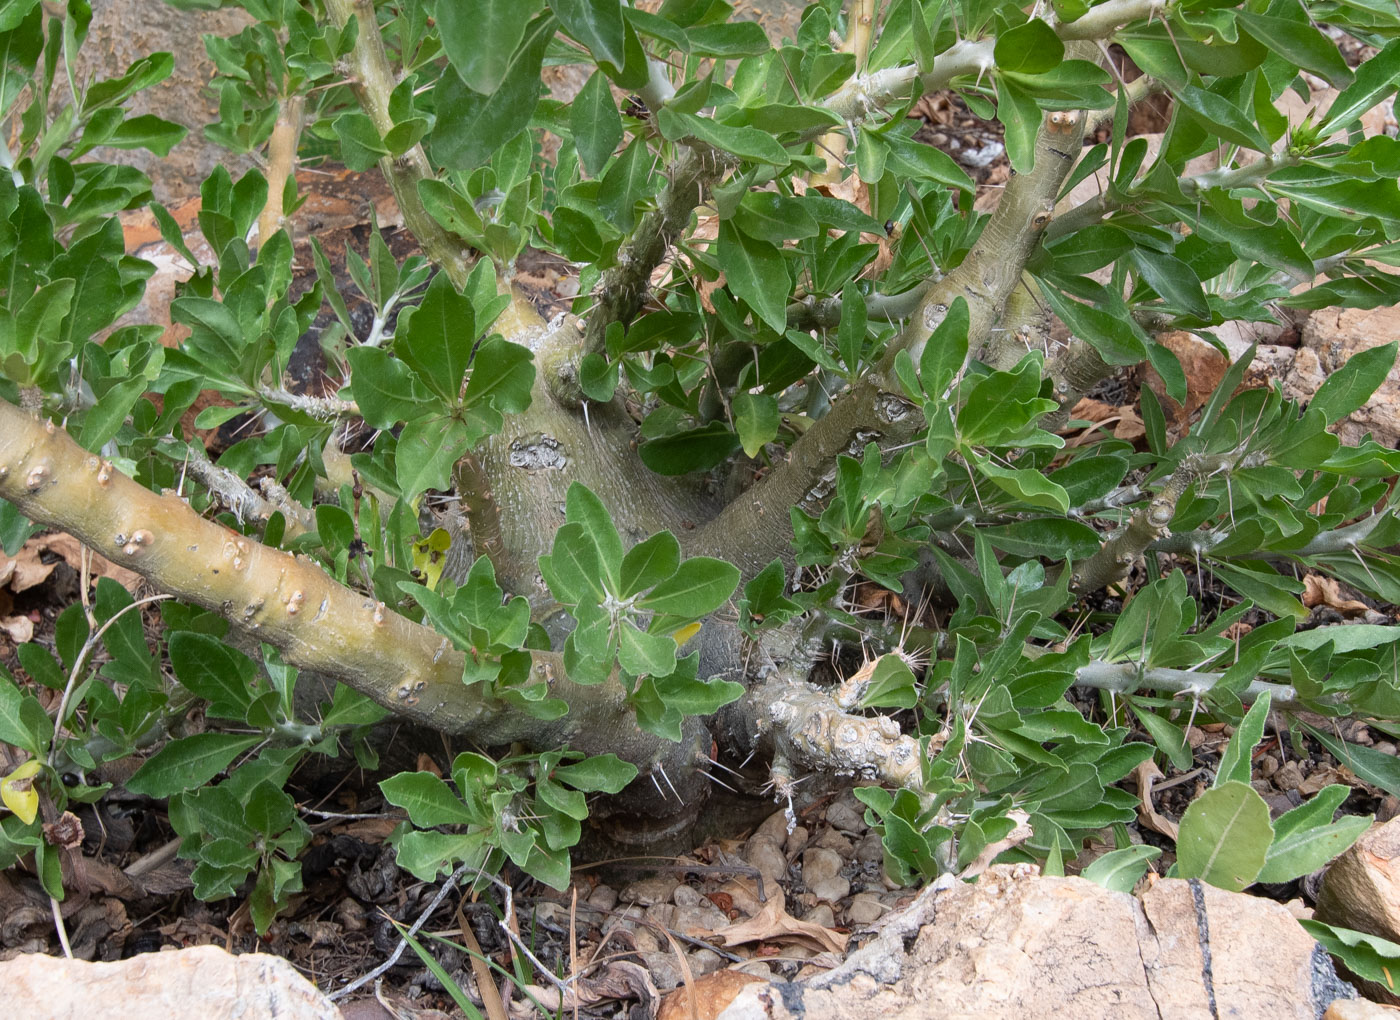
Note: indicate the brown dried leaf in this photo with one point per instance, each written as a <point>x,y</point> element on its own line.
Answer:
<point>620,979</point>
<point>1321,777</point>
<point>1324,591</point>
<point>25,569</point>
<point>1147,775</point>
<point>774,924</point>
<point>19,629</point>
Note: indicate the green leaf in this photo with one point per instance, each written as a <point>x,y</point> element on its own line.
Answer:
<point>641,653</point>
<point>1032,48</point>
<point>756,419</point>
<point>1222,117</point>
<point>188,763</point>
<point>360,144</point>
<point>1348,388</point>
<point>602,773</point>
<point>210,669</point>
<point>1371,766</point>
<point>728,39</point>
<point>1120,870</point>
<point>744,142</point>
<point>428,448</point>
<point>1225,836</point>
<point>572,569</point>
<point>1025,484</point>
<point>1299,43</point>
<point>596,124</point>
<point>480,37</point>
<point>583,507</point>
<point>701,585</point>
<point>1306,838</point>
<point>1019,114</point>
<point>892,685</point>
<point>427,799</point>
<point>595,23</point>
<point>147,132</point>
<point>20,716</point>
<point>502,375</point>
<point>1375,80</point>
<point>693,450</point>
<point>471,126</point>
<point>768,216</point>
<point>946,351</point>
<point>436,339</point>
<point>1367,956</point>
<point>1239,753</point>
<point>649,563</point>
<point>756,273</point>
<point>385,389</point>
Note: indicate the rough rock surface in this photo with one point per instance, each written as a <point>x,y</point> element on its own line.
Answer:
<point>204,981</point>
<point>1016,945</point>
<point>1361,890</point>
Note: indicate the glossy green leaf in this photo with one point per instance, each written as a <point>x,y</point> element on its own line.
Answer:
<point>481,37</point>
<point>471,126</point>
<point>427,799</point>
<point>596,124</point>
<point>1350,386</point>
<point>756,273</point>
<point>1375,80</point>
<point>1029,48</point>
<point>945,352</point>
<point>756,419</point>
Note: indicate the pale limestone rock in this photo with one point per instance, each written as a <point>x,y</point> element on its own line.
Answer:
<point>1361,889</point>
<point>1334,335</point>
<point>203,981</point>
<point>1020,946</point>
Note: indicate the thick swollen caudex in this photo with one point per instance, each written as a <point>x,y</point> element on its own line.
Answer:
<point>316,623</point>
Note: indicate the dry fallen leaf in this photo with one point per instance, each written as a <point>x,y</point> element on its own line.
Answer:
<point>775,924</point>
<point>27,568</point>
<point>620,979</point>
<point>19,629</point>
<point>1323,591</point>
<point>1127,424</point>
<point>1147,775</point>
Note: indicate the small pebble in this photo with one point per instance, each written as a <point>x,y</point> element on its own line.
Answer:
<point>865,908</point>
<point>846,816</point>
<point>665,971</point>
<point>1288,777</point>
<point>770,861</point>
<point>870,850</point>
<point>703,961</point>
<point>604,897</point>
<point>818,864</point>
<point>833,840</point>
<point>830,889</point>
<point>685,896</point>
<point>646,891</point>
<point>774,828</point>
<point>821,914</point>
<point>796,839</point>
